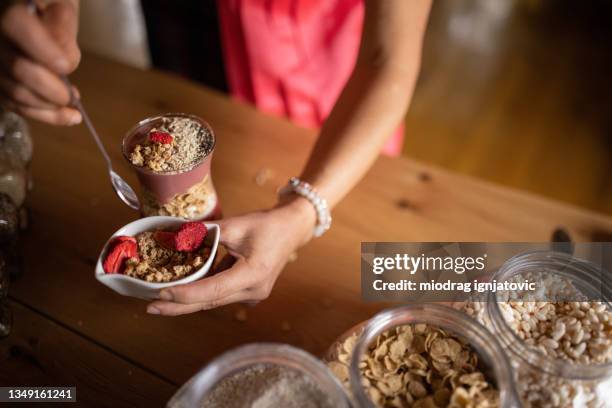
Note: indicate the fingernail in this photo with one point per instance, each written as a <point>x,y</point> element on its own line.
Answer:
<point>165,295</point>
<point>152,310</point>
<point>75,118</point>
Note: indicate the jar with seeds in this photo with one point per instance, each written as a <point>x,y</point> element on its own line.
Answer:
<point>171,155</point>
<point>559,339</point>
<point>424,355</point>
<point>265,375</point>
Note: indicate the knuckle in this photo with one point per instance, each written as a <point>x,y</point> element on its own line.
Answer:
<point>182,295</point>
<point>19,68</point>
<point>262,292</point>
<point>210,305</point>
<point>218,288</point>
<point>20,94</point>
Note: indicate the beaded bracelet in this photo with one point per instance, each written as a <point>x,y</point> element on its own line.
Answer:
<point>304,189</point>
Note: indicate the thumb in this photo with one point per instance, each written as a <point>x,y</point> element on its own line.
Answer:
<point>229,232</point>
<point>61,19</point>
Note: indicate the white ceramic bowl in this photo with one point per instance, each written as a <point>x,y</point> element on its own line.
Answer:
<point>128,286</point>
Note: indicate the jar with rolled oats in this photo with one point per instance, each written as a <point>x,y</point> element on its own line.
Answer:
<point>171,155</point>
<point>424,355</point>
<point>559,339</point>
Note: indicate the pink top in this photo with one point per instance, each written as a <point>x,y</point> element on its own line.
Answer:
<point>293,57</point>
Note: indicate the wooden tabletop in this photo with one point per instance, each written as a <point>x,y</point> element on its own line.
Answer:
<point>71,330</point>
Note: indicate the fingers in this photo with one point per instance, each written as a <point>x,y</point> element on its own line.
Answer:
<point>229,233</point>
<point>33,51</point>
<point>212,289</point>
<point>25,31</point>
<point>61,19</point>
<point>176,309</point>
<point>55,116</point>
<point>22,95</point>
<point>37,78</point>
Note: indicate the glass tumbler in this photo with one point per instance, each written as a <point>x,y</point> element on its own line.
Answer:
<point>187,193</point>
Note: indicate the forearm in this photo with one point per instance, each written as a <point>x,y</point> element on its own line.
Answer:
<point>369,109</point>
<point>375,99</point>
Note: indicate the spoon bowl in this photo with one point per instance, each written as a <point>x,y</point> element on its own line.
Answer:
<point>124,191</point>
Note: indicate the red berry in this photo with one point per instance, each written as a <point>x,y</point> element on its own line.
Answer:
<point>161,137</point>
<point>165,239</point>
<point>122,238</point>
<point>190,236</point>
<point>120,251</point>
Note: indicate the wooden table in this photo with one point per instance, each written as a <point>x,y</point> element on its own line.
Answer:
<point>71,330</point>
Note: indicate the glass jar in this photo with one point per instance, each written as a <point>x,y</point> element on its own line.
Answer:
<point>189,192</point>
<point>192,393</point>
<point>496,364</point>
<point>6,317</point>
<point>15,156</point>
<point>544,381</point>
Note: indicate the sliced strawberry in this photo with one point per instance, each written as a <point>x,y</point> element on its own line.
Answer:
<point>190,236</point>
<point>161,137</point>
<point>119,239</point>
<point>118,254</point>
<point>165,239</point>
<point>122,238</point>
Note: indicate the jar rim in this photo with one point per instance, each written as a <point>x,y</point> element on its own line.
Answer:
<point>447,318</point>
<point>517,346</point>
<point>252,354</point>
<point>134,129</point>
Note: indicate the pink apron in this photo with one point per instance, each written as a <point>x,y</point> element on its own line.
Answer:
<point>293,57</point>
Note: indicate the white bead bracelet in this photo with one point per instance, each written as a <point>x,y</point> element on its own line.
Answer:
<point>307,191</point>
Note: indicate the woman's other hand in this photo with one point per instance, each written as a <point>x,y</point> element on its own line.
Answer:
<point>35,49</point>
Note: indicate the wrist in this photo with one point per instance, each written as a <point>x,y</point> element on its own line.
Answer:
<point>298,214</point>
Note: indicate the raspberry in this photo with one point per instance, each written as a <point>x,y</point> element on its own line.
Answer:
<point>190,236</point>
<point>120,250</point>
<point>161,137</point>
<point>165,239</point>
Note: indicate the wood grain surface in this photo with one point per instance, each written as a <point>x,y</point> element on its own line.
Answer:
<point>317,297</point>
<point>42,352</point>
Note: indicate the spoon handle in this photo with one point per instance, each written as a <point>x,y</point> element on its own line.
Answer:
<point>76,102</point>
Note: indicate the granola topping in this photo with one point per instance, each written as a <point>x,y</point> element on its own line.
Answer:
<point>189,142</point>
<point>195,203</point>
<point>161,264</point>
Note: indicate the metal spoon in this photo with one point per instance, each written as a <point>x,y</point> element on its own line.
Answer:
<point>121,187</point>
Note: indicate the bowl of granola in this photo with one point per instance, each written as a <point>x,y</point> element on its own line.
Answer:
<point>154,253</point>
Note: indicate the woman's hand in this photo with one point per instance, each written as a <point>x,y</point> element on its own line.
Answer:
<point>34,51</point>
<point>259,245</point>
